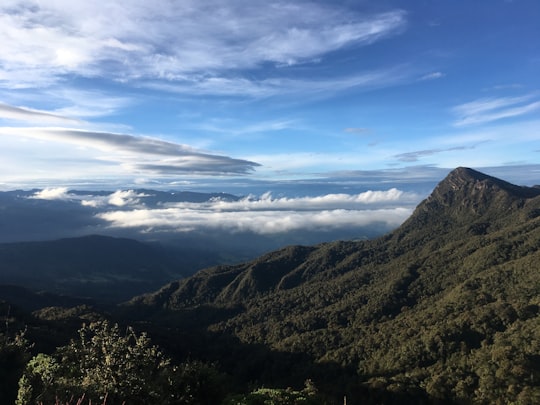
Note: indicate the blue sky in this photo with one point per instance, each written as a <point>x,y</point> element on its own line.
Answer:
<point>183,93</point>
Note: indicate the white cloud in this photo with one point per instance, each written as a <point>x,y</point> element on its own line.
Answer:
<point>264,215</point>
<point>325,202</point>
<point>234,128</point>
<point>53,193</point>
<point>138,153</point>
<point>173,41</point>
<point>122,198</point>
<point>505,134</point>
<point>492,109</point>
<point>433,76</point>
<point>119,198</point>
<point>25,114</point>
<point>267,215</point>
<point>260,222</point>
<point>269,87</point>
<point>87,104</point>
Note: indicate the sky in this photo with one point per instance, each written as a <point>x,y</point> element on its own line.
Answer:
<point>288,97</point>
<point>175,92</point>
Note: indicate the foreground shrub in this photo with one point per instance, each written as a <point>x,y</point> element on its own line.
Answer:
<point>278,396</point>
<point>106,365</point>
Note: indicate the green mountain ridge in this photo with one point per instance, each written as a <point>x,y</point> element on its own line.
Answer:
<point>98,267</point>
<point>446,307</point>
<point>467,203</point>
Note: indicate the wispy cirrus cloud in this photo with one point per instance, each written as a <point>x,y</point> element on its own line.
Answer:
<point>189,41</point>
<point>66,106</point>
<point>235,128</point>
<point>87,103</point>
<point>139,153</point>
<point>486,110</point>
<point>417,155</point>
<point>25,114</point>
<point>433,76</point>
<point>239,86</point>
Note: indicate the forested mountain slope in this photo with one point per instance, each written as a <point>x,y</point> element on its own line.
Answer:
<point>99,267</point>
<point>444,308</point>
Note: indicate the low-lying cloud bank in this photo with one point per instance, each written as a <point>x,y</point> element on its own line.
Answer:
<point>267,215</point>
<point>153,212</point>
<point>259,222</point>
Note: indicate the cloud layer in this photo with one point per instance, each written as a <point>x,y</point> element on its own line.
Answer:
<point>137,153</point>
<point>265,215</point>
<point>485,110</point>
<point>188,41</point>
<point>236,48</point>
<point>30,115</point>
<point>259,222</point>
<point>268,215</point>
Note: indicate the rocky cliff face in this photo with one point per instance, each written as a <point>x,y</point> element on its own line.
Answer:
<point>465,190</point>
<point>465,203</point>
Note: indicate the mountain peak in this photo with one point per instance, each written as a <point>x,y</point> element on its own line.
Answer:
<point>466,174</point>
<point>468,198</point>
<point>463,185</point>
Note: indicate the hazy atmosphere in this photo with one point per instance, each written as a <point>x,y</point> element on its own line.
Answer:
<point>315,114</point>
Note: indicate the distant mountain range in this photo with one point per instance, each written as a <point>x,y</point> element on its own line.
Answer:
<point>29,215</point>
<point>197,229</point>
<point>100,268</point>
<point>444,308</point>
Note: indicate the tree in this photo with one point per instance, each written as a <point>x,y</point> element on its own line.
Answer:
<point>279,396</point>
<point>104,364</point>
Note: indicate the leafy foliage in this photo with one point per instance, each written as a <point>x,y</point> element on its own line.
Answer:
<point>274,396</point>
<point>104,363</point>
